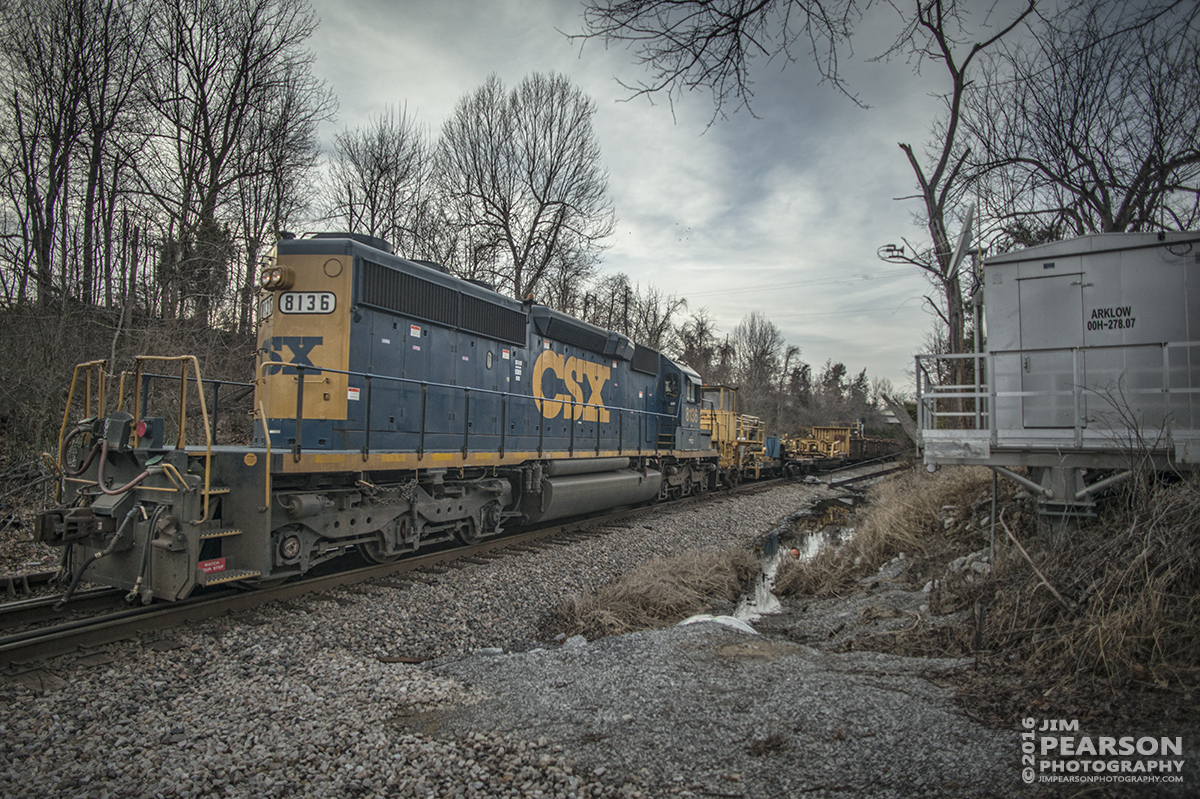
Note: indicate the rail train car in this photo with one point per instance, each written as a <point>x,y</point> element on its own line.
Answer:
<point>830,446</point>
<point>740,439</point>
<point>396,406</point>
<point>747,452</point>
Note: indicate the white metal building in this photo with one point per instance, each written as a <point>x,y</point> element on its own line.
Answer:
<point>1092,359</point>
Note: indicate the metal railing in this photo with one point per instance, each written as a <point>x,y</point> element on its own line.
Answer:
<point>941,404</point>
<point>94,388</point>
<point>1140,390</point>
<point>215,385</point>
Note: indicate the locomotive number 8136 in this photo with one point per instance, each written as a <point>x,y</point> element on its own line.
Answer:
<point>396,406</point>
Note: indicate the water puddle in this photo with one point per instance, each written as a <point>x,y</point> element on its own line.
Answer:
<point>799,536</point>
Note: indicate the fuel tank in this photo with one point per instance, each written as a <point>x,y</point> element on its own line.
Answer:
<point>573,495</point>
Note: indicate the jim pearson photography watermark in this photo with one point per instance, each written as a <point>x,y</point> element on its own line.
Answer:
<point>1052,750</point>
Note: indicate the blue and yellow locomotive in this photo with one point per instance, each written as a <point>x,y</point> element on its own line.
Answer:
<point>395,406</point>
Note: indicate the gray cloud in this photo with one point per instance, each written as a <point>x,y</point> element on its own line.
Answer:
<point>780,212</point>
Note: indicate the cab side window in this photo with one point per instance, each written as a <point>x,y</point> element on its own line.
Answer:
<point>672,386</point>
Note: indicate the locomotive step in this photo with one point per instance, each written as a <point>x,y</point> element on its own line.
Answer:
<point>217,578</point>
<point>222,533</point>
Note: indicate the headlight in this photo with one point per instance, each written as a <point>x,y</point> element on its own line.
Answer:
<point>277,278</point>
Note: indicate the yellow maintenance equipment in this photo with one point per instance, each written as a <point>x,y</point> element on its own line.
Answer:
<point>739,438</point>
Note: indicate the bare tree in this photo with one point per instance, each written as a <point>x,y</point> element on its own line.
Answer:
<point>521,171</point>
<point>43,45</point>
<point>712,44</point>
<point>220,63</point>
<point>937,32</point>
<point>379,180</point>
<point>568,283</point>
<point>279,152</point>
<point>697,344</point>
<point>1093,128</point>
<point>114,131</point>
<point>609,303</point>
<point>646,315</point>
<point>655,316</point>
<point>758,351</point>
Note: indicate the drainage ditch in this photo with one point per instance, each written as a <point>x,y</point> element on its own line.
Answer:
<point>828,523</point>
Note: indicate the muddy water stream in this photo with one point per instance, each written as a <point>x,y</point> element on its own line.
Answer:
<point>799,536</point>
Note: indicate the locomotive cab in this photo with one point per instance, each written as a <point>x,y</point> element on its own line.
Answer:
<point>682,396</point>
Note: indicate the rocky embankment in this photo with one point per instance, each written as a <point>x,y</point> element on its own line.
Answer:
<point>313,698</point>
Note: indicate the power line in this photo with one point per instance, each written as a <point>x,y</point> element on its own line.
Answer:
<point>794,315</point>
<point>823,282</point>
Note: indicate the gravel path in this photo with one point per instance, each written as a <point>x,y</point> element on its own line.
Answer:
<point>311,698</point>
<point>710,711</point>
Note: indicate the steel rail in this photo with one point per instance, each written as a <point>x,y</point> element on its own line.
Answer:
<point>860,477</point>
<point>31,646</point>
<point>43,608</point>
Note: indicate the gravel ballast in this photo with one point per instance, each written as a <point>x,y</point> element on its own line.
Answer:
<point>716,712</point>
<point>312,698</point>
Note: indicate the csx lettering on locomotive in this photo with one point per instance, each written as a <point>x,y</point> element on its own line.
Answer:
<point>300,348</point>
<point>571,372</point>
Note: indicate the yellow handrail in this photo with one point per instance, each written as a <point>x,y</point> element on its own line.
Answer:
<point>175,477</point>
<point>90,366</point>
<point>181,441</point>
<point>267,462</point>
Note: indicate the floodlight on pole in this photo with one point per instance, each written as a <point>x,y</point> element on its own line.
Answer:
<point>964,244</point>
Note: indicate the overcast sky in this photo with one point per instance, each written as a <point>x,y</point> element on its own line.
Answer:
<point>782,213</point>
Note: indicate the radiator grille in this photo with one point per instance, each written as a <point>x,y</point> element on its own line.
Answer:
<point>576,336</point>
<point>408,295</point>
<point>493,321</point>
<point>645,360</point>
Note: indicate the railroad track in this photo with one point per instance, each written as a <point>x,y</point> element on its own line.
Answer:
<point>13,584</point>
<point>63,635</point>
<point>15,616</point>
<point>858,478</point>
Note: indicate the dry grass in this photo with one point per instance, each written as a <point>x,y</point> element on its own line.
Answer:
<point>1104,617</point>
<point>904,514</point>
<point>656,594</point>
<point>1118,600</point>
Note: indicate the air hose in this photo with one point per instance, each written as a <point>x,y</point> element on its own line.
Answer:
<point>108,550</point>
<point>81,428</point>
<point>137,584</point>
<point>100,474</point>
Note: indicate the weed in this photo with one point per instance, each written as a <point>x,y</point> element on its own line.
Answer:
<point>656,594</point>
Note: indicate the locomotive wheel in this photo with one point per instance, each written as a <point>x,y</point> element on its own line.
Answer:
<point>468,533</point>
<point>482,525</point>
<point>373,552</point>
